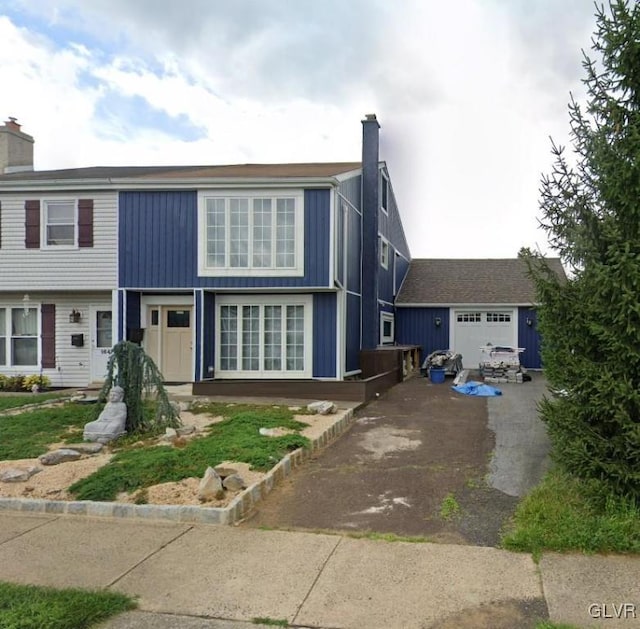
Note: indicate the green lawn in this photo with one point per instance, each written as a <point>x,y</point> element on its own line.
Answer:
<point>15,401</point>
<point>562,515</point>
<point>29,434</point>
<point>236,438</point>
<point>32,607</point>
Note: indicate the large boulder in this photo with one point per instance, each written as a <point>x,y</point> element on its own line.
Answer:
<point>210,487</point>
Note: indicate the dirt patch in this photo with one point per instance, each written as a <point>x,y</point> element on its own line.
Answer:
<point>185,492</point>
<point>405,454</point>
<point>52,482</point>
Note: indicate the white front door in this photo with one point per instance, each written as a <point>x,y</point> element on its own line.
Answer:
<point>177,343</point>
<point>101,341</point>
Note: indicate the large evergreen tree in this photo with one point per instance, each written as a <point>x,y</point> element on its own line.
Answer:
<point>590,324</point>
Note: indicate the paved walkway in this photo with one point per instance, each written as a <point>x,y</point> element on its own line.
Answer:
<point>186,576</point>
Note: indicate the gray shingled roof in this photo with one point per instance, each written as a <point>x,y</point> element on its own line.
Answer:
<point>311,170</point>
<point>484,281</point>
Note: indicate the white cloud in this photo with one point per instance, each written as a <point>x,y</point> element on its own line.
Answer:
<point>466,93</point>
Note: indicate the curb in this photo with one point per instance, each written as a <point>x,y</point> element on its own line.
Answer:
<point>238,509</point>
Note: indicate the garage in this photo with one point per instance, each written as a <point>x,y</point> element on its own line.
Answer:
<point>473,329</point>
<point>463,304</point>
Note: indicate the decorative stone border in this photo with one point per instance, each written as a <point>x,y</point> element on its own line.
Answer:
<point>239,507</point>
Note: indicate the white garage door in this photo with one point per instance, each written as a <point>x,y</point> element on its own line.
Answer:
<point>474,329</point>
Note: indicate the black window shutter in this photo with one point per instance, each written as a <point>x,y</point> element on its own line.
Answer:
<point>32,224</point>
<point>85,223</point>
<point>48,336</point>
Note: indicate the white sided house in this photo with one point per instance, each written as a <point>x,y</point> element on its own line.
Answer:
<point>58,264</point>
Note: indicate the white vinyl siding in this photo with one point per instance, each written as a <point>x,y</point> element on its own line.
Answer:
<point>57,267</point>
<point>73,364</point>
<point>264,336</point>
<point>259,233</point>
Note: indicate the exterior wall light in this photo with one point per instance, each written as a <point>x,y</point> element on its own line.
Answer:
<point>438,322</point>
<point>529,321</point>
<point>74,316</point>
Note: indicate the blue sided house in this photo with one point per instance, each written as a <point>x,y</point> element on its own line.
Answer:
<point>246,274</point>
<point>261,271</point>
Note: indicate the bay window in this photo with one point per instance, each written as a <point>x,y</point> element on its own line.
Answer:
<point>251,234</point>
<point>264,336</point>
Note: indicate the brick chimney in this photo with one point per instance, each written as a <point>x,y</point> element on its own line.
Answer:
<point>16,148</point>
<point>370,206</point>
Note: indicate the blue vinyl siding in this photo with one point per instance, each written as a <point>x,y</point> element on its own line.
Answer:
<point>209,334</point>
<point>416,326</point>
<point>324,335</point>
<point>402,266</point>
<point>341,213</point>
<point>391,225</point>
<point>133,310</point>
<point>352,328</point>
<point>354,251</point>
<point>159,244</point>
<point>529,338</point>
<point>385,279</point>
<point>351,189</point>
<point>197,321</point>
<point>121,318</point>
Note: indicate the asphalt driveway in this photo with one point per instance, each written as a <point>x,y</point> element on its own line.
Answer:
<point>421,460</point>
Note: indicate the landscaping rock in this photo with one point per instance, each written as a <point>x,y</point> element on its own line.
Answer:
<point>224,471</point>
<point>170,434</point>
<point>86,448</point>
<point>322,408</point>
<point>268,432</point>
<point>234,482</point>
<point>18,475</point>
<point>56,457</point>
<point>210,486</point>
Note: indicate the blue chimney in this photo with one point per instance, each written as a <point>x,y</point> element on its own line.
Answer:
<point>370,206</point>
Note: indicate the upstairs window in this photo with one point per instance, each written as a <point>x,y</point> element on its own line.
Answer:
<point>384,253</point>
<point>255,234</point>
<point>384,193</point>
<point>60,223</point>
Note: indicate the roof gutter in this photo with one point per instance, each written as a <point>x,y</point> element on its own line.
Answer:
<point>129,183</point>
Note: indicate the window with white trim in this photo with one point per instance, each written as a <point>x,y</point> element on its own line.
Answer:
<point>469,317</point>
<point>384,253</point>
<point>384,193</point>
<point>264,337</point>
<point>387,328</point>
<point>59,223</point>
<point>498,317</point>
<point>19,337</point>
<point>251,233</point>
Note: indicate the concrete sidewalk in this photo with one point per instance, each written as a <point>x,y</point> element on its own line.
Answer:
<point>213,577</point>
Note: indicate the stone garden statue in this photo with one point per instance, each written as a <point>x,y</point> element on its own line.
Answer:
<point>112,420</point>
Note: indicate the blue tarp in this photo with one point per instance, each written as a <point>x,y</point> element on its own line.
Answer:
<point>477,388</point>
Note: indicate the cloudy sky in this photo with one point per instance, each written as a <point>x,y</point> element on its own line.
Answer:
<point>467,94</point>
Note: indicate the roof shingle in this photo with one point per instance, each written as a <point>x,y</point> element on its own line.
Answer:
<point>473,281</point>
<point>242,171</point>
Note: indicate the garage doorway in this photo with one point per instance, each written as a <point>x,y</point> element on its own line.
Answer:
<point>473,329</point>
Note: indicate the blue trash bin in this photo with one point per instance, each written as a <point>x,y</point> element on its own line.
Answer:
<point>436,375</point>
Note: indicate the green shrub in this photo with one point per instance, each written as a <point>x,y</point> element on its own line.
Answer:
<point>43,382</point>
